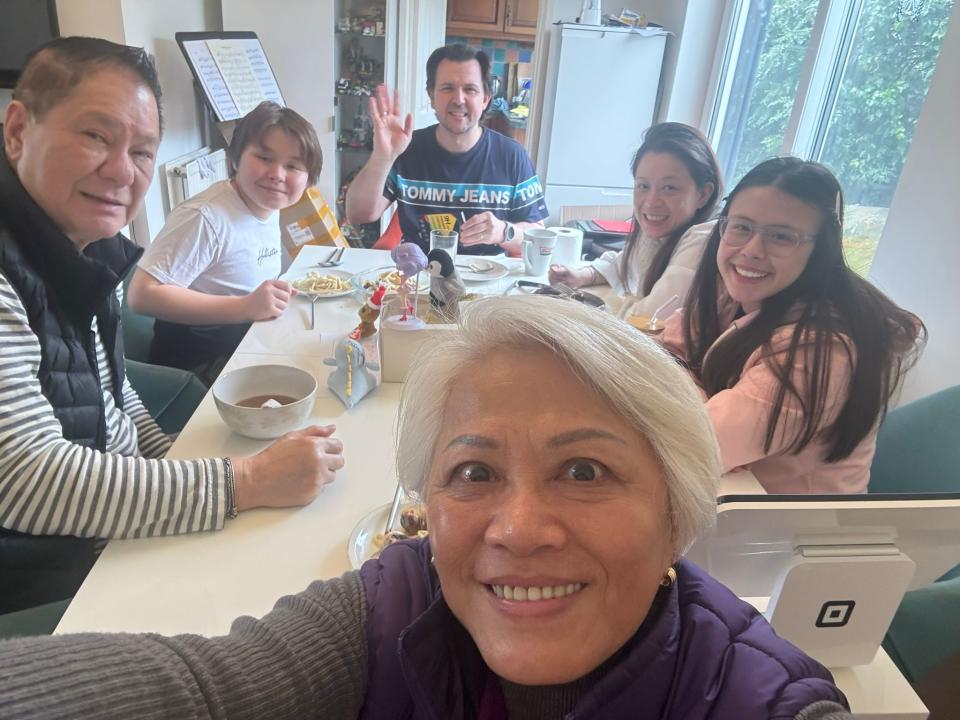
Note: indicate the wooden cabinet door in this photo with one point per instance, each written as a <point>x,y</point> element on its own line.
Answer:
<point>521,17</point>
<point>466,16</point>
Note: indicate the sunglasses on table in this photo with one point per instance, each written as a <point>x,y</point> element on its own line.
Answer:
<point>778,241</point>
<point>558,290</point>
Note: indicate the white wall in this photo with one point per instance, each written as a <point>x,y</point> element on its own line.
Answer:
<point>918,258</point>
<point>151,25</point>
<point>670,14</point>
<point>94,18</point>
<point>299,44</point>
<point>687,87</point>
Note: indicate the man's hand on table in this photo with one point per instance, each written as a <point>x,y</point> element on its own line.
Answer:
<point>482,229</point>
<point>291,472</point>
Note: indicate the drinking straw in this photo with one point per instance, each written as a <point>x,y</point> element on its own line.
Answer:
<point>656,313</point>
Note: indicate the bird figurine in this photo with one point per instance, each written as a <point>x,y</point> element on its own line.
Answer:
<point>410,260</point>
<point>352,379</point>
<point>446,287</point>
<point>369,312</point>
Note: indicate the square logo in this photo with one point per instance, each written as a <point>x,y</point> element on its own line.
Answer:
<point>835,613</point>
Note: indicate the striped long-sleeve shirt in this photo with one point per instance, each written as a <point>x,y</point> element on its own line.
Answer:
<point>51,486</point>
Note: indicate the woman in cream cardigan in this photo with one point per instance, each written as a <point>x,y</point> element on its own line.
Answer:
<point>676,186</point>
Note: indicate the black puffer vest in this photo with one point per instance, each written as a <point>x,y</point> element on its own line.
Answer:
<point>62,290</point>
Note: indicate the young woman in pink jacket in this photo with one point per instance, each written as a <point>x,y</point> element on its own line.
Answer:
<point>796,354</point>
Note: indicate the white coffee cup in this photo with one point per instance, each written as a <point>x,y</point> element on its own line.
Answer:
<point>537,250</point>
<point>569,247</point>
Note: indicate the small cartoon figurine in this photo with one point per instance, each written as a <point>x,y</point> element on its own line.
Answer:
<point>352,379</point>
<point>362,133</point>
<point>369,312</point>
<point>410,260</point>
<point>446,287</point>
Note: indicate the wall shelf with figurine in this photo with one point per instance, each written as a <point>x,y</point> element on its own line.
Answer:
<point>362,56</point>
<point>354,33</point>
<point>354,91</point>
<point>346,147</point>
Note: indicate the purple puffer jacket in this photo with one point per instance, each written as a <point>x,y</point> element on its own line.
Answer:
<point>701,653</point>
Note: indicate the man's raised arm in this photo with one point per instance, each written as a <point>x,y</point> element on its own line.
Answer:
<point>391,136</point>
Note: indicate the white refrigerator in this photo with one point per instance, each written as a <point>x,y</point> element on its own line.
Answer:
<point>599,97</point>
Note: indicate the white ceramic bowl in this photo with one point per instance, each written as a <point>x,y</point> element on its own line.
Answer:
<point>264,423</point>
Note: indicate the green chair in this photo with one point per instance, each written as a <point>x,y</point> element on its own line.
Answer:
<point>926,629</point>
<point>918,447</point>
<point>137,329</point>
<point>40,620</point>
<point>170,395</point>
<point>918,451</point>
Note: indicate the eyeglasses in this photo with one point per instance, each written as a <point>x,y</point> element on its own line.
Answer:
<point>778,241</point>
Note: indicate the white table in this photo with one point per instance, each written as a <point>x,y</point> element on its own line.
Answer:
<point>200,583</point>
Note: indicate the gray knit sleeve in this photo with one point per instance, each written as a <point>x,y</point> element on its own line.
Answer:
<point>306,658</point>
<point>823,710</point>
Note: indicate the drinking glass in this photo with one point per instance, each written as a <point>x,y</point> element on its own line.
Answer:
<point>445,240</point>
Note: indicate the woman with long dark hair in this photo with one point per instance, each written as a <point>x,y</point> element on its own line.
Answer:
<point>676,185</point>
<point>798,356</point>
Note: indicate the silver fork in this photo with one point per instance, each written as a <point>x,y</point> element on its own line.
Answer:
<point>394,509</point>
<point>334,259</point>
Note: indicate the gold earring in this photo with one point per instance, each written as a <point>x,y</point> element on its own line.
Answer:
<point>669,578</point>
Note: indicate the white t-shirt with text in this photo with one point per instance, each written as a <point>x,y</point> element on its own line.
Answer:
<point>213,244</point>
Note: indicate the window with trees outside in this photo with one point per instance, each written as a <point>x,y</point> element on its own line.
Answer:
<point>837,81</point>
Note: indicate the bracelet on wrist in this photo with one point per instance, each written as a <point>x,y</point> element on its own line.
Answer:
<point>230,489</point>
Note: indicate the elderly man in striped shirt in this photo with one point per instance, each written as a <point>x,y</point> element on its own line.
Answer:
<point>79,454</point>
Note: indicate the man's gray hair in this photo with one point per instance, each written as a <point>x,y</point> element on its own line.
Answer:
<point>631,372</point>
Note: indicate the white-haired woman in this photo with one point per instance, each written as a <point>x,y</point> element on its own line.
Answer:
<point>566,464</point>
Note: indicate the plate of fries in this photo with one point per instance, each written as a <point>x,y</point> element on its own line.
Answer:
<point>327,284</point>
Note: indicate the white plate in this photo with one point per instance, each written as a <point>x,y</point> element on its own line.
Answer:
<point>360,545</point>
<point>491,270</point>
<point>343,275</point>
<point>373,276</point>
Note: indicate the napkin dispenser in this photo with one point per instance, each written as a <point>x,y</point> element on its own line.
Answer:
<point>399,343</point>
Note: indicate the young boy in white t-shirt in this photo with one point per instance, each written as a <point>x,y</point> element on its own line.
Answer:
<point>212,269</point>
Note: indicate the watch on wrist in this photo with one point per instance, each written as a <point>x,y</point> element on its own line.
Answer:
<point>509,232</point>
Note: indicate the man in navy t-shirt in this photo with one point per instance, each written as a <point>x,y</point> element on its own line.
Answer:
<point>455,175</point>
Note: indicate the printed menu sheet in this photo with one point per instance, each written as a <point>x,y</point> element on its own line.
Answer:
<point>235,75</point>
